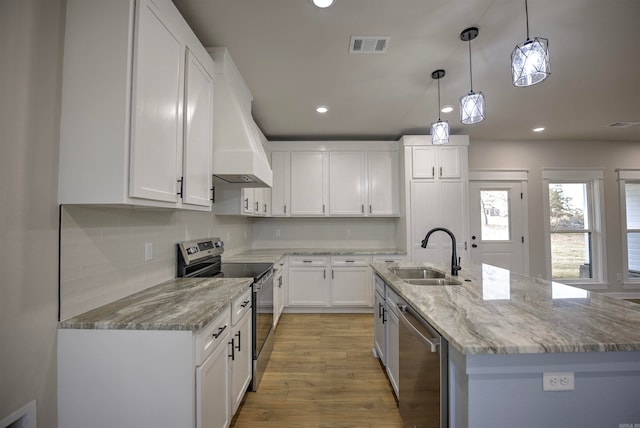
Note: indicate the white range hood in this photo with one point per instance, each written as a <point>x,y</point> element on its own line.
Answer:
<point>238,153</point>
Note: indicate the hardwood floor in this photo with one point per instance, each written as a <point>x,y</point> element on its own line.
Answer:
<point>322,373</point>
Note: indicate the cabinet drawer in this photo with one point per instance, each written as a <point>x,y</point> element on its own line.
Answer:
<point>341,261</point>
<point>393,300</point>
<point>212,335</point>
<point>308,261</point>
<point>389,258</point>
<point>240,306</point>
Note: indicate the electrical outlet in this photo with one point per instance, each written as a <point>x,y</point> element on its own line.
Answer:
<point>148,251</point>
<point>277,233</point>
<point>348,232</point>
<point>558,382</point>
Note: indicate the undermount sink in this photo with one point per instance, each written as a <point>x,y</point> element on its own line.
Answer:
<point>416,273</point>
<point>432,281</point>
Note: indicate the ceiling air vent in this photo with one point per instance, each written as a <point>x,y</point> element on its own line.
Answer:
<point>623,124</point>
<point>368,44</point>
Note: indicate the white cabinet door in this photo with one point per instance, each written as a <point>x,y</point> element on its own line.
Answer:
<point>383,183</point>
<point>212,386</point>
<point>308,286</point>
<point>393,340</point>
<point>347,183</point>
<point>380,319</point>
<point>438,204</point>
<point>431,162</point>
<point>351,286</point>
<point>241,361</point>
<point>280,192</point>
<point>198,118</point>
<point>309,183</point>
<point>156,106</point>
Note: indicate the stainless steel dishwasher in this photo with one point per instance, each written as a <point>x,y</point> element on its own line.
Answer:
<point>423,386</point>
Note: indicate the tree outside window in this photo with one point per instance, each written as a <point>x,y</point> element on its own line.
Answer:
<point>570,228</point>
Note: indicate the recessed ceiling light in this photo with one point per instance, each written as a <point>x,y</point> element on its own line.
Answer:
<point>322,3</point>
<point>538,129</point>
<point>322,109</point>
<point>447,109</point>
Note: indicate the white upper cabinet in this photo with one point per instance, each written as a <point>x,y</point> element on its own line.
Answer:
<point>281,191</point>
<point>137,106</point>
<point>383,173</point>
<point>347,185</point>
<point>437,162</point>
<point>197,133</point>
<point>309,183</point>
<point>340,179</point>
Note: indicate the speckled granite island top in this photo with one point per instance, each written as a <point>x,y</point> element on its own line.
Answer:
<point>177,304</point>
<point>495,311</point>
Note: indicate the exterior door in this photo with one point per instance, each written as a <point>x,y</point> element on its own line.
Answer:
<point>497,224</point>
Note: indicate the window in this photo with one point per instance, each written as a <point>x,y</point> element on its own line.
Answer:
<point>630,208</point>
<point>575,225</point>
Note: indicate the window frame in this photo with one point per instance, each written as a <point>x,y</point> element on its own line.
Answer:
<point>626,176</point>
<point>594,180</point>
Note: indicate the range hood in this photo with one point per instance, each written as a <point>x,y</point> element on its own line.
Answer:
<point>238,153</point>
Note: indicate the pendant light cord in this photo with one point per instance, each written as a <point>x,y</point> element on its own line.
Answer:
<point>526,14</point>
<point>470,71</point>
<point>438,99</point>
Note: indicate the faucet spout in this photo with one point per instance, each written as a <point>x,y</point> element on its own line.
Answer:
<point>455,263</point>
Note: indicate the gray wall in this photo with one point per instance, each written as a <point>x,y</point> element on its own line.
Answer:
<point>30,48</point>
<point>535,155</point>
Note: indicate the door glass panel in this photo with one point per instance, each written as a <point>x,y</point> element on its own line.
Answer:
<point>494,209</point>
<point>571,255</point>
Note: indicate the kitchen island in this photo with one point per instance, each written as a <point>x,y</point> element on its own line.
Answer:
<point>506,330</point>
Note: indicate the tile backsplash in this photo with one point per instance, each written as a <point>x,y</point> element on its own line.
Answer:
<point>103,249</point>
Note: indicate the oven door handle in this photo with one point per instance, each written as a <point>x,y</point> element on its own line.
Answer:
<point>433,342</point>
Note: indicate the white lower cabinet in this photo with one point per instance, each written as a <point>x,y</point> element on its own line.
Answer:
<point>280,289</point>
<point>393,339</point>
<point>308,281</point>
<point>351,281</point>
<point>113,378</point>
<point>240,349</point>
<point>380,319</point>
<point>337,283</point>
<point>212,375</point>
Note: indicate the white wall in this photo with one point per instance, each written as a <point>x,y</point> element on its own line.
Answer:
<point>30,48</point>
<point>364,233</point>
<point>535,155</point>
<point>102,249</point>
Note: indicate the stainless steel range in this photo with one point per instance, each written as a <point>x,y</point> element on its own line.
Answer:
<point>202,258</point>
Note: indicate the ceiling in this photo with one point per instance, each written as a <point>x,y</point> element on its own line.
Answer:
<point>294,56</point>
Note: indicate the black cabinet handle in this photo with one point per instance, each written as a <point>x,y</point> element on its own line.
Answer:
<point>245,303</point>
<point>220,330</point>
<point>233,351</point>
<point>238,334</point>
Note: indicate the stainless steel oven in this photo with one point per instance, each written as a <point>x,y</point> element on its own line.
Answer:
<point>202,258</point>
<point>423,385</point>
<point>262,311</point>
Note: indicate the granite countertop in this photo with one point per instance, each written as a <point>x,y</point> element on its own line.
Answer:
<point>273,255</point>
<point>495,311</point>
<point>177,304</point>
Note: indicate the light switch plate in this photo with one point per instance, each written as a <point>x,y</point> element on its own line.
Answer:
<point>148,251</point>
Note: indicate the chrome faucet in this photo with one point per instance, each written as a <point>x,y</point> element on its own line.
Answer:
<point>455,261</point>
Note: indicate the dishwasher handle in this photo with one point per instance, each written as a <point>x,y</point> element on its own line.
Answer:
<point>433,342</point>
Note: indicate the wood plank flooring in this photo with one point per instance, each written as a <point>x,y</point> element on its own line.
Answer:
<point>322,373</point>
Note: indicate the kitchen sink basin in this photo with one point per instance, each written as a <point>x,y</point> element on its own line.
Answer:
<point>432,281</point>
<point>416,273</point>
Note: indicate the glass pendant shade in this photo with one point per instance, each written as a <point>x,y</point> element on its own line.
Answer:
<point>530,62</point>
<point>472,108</point>
<point>440,132</point>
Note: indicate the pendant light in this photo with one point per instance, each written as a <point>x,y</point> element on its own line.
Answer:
<point>472,106</point>
<point>530,59</point>
<point>439,129</point>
